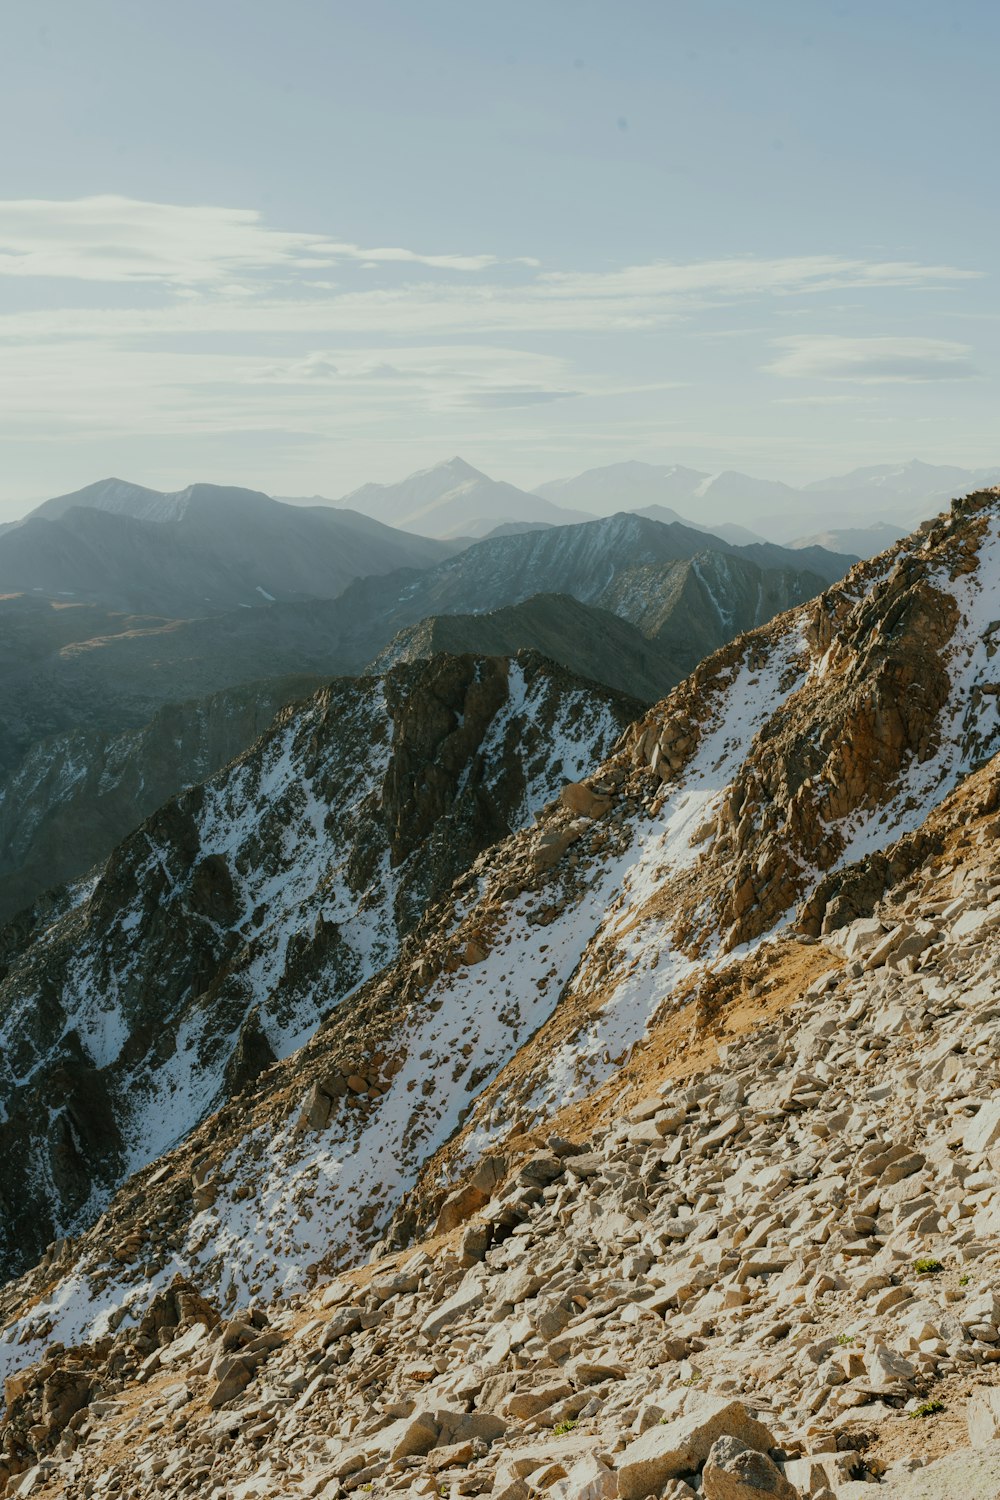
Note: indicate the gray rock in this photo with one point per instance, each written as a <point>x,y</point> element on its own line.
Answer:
<point>969,1474</point>
<point>681,1443</point>
<point>983,1416</point>
<point>735,1472</point>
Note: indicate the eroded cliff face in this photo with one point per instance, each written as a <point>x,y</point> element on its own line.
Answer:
<point>218,936</point>
<point>886,694</point>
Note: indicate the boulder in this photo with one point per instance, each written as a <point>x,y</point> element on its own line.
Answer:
<point>588,1479</point>
<point>553,843</point>
<point>982,1416</point>
<point>526,1404</point>
<point>465,1300</point>
<point>681,1443</point>
<point>63,1394</point>
<point>468,1427</point>
<point>968,1474</point>
<point>459,1206</point>
<point>232,1376</point>
<point>735,1472</point>
<point>578,798</point>
<point>983,1130</point>
<point>411,1436</point>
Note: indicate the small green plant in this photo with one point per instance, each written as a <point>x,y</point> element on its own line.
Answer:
<point>561,1428</point>
<point>843,1339</point>
<point>964,1280</point>
<point>926,1265</point>
<point>927,1409</point>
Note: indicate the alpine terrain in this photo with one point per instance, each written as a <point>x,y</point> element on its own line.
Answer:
<point>486,1085</point>
<point>110,712</point>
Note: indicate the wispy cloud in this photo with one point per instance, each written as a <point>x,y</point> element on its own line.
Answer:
<point>225,269</point>
<point>113,239</point>
<point>871,361</point>
<point>750,276</point>
<point>816,400</point>
<point>101,389</point>
<point>138,323</point>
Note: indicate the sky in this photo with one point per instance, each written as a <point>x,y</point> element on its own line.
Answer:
<point>307,244</point>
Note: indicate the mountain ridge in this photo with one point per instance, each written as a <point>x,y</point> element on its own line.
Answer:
<point>772,908</point>
<point>203,550</point>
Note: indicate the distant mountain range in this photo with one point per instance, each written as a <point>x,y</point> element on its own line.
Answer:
<point>203,550</point>
<point>134,618</point>
<point>899,495</point>
<point>454,500</point>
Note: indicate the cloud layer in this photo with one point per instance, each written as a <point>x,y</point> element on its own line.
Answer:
<point>114,239</point>
<point>126,322</point>
<point>872,361</point>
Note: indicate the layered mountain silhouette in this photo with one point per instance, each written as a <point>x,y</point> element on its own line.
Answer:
<point>203,550</point>
<point>85,682</point>
<point>847,507</point>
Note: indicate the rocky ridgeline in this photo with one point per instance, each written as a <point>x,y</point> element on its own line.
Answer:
<point>776,1276</point>
<point>218,936</point>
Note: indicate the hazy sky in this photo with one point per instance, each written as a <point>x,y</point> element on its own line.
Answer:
<point>303,244</point>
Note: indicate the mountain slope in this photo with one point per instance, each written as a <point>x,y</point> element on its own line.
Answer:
<point>659,1293</point>
<point>300,868</point>
<point>823,788</point>
<point>203,550</point>
<point>94,678</point>
<point>754,789</point>
<point>739,536</point>
<point>75,669</point>
<point>454,500</point>
<point>77,795</point>
<point>591,642</point>
<point>593,562</point>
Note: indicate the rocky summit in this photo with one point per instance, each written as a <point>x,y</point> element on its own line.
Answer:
<point>504,1091</point>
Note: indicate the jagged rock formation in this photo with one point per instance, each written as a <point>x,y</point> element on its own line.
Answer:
<point>743,974</point>
<point>219,935</point>
<point>75,796</point>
